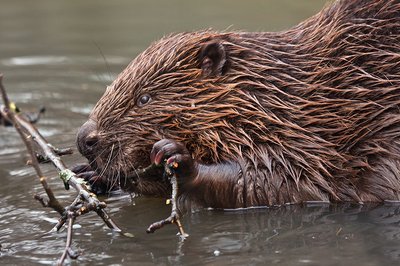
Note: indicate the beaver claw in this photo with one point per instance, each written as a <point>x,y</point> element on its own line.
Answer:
<point>98,185</point>
<point>81,168</point>
<point>176,156</point>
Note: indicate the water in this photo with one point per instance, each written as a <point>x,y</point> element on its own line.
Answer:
<point>51,53</point>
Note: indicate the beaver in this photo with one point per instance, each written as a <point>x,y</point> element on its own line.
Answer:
<point>311,113</point>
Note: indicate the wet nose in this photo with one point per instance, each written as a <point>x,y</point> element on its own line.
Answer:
<point>87,138</point>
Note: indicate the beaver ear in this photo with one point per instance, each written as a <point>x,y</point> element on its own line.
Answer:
<point>212,58</point>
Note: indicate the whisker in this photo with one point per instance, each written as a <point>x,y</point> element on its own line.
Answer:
<point>104,58</point>
<point>112,182</point>
<point>115,176</point>
<point>98,156</point>
<point>115,181</point>
<point>108,161</point>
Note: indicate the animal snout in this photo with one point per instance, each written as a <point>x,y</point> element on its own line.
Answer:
<point>87,139</point>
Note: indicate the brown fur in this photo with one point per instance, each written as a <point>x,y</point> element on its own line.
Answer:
<point>311,113</point>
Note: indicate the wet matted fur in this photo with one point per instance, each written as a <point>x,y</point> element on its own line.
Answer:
<point>311,113</point>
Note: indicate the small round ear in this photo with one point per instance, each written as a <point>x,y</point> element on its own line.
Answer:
<point>212,58</point>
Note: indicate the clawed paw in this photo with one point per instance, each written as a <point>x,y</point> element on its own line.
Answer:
<point>98,185</point>
<point>176,156</point>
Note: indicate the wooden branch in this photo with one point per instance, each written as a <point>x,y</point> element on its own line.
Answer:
<point>68,177</point>
<point>68,251</point>
<point>4,96</point>
<point>174,217</point>
<point>83,203</point>
<point>60,152</point>
<point>3,120</point>
<point>53,202</point>
<point>31,116</point>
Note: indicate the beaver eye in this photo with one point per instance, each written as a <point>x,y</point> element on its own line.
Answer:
<point>143,100</point>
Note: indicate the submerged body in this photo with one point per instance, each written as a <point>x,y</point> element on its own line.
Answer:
<point>311,113</point>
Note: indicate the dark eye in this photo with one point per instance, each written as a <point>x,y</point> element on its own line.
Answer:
<point>143,100</point>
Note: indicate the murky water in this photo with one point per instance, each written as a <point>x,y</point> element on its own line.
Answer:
<point>51,53</point>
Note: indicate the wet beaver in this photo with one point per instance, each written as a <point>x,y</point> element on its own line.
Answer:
<point>311,113</point>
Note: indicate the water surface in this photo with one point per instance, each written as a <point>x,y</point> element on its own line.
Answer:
<point>62,55</point>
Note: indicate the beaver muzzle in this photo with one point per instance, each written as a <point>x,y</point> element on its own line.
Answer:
<point>87,139</point>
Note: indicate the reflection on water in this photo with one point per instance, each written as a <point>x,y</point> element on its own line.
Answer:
<point>52,54</point>
<point>328,235</point>
<point>313,235</point>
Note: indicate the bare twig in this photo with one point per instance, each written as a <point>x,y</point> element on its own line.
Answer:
<point>53,202</point>
<point>68,251</point>
<point>4,96</point>
<point>3,117</point>
<point>31,116</point>
<point>60,152</point>
<point>174,216</point>
<point>83,203</point>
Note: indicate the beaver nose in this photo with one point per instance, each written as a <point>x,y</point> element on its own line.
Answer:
<point>87,138</point>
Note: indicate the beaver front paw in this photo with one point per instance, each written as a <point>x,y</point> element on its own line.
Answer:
<point>98,185</point>
<point>176,155</point>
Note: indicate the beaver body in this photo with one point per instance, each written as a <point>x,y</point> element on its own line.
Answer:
<point>311,113</point>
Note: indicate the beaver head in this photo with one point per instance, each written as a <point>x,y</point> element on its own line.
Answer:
<point>178,88</point>
<point>295,105</point>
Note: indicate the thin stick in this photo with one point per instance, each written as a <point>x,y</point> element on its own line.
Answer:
<point>53,202</point>
<point>3,117</point>
<point>174,216</point>
<point>67,250</point>
<point>48,150</point>
<point>83,203</point>
<point>6,101</point>
<point>64,217</point>
<point>31,117</point>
